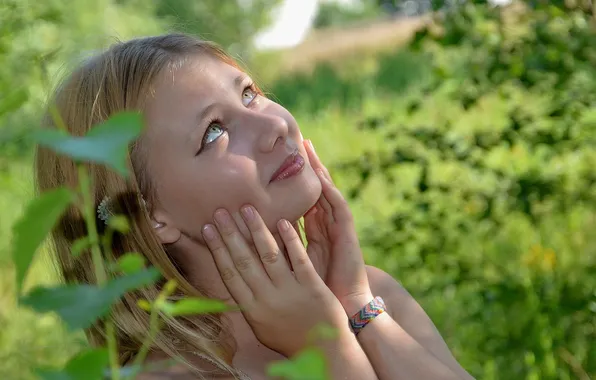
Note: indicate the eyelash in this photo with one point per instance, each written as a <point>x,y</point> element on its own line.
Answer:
<point>215,120</point>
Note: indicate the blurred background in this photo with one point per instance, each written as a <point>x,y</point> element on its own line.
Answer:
<point>463,133</point>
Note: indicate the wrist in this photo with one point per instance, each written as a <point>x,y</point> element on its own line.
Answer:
<point>355,303</point>
<point>367,314</point>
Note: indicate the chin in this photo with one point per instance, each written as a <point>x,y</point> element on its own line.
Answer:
<point>299,197</point>
<point>306,196</point>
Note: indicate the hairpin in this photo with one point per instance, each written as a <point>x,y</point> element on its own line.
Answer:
<point>104,210</point>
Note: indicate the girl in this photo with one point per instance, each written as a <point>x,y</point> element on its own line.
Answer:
<point>221,175</point>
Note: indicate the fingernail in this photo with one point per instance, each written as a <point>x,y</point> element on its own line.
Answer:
<point>209,232</point>
<point>312,146</point>
<point>284,225</point>
<point>223,218</point>
<point>247,213</point>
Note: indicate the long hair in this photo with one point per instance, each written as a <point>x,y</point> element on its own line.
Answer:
<point>120,79</point>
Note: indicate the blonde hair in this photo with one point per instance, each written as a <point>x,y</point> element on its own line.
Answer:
<point>116,80</point>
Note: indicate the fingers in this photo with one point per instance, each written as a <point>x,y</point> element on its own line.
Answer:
<point>225,265</point>
<point>314,160</point>
<point>331,194</point>
<point>323,203</point>
<point>341,209</point>
<point>317,165</point>
<point>303,267</point>
<point>271,256</point>
<point>237,257</point>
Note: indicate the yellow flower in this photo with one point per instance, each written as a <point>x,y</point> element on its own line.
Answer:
<point>541,258</point>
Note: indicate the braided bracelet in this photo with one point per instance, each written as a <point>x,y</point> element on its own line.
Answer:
<point>369,312</point>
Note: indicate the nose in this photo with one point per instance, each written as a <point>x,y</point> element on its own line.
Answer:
<point>269,130</point>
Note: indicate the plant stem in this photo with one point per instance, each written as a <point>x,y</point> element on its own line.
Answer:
<point>88,207</point>
<point>98,264</point>
<point>112,349</point>
<point>166,292</point>
<point>153,329</point>
<point>58,122</point>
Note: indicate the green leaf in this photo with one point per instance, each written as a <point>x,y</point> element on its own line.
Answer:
<point>89,365</point>
<point>119,223</point>
<point>40,216</point>
<point>131,262</point>
<point>106,143</point>
<point>80,245</point>
<point>13,101</point>
<point>189,306</point>
<point>81,305</point>
<point>310,364</point>
<point>144,304</point>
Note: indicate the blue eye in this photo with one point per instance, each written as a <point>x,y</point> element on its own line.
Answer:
<point>213,132</point>
<point>248,95</point>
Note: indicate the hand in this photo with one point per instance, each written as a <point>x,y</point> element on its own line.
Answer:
<point>333,243</point>
<point>282,307</point>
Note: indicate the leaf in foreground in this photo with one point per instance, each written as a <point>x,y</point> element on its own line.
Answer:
<point>189,306</point>
<point>131,262</point>
<point>80,245</point>
<point>106,143</point>
<point>40,216</point>
<point>81,305</point>
<point>89,365</point>
<point>310,364</point>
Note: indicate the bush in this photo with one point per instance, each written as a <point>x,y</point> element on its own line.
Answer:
<point>473,182</point>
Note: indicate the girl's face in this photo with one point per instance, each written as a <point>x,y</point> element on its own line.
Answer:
<point>213,142</point>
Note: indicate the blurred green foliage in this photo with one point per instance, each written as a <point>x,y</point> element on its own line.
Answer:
<point>468,157</point>
<point>333,14</point>
<point>41,40</point>
<point>473,180</point>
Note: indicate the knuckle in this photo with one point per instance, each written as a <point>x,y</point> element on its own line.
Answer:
<point>292,237</point>
<point>256,225</point>
<point>227,232</point>
<point>243,263</point>
<point>302,260</point>
<point>317,294</point>
<point>227,274</point>
<point>270,257</point>
<point>219,250</point>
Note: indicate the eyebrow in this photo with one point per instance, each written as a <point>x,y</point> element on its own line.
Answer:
<point>238,81</point>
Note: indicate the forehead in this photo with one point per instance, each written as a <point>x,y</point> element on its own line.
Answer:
<point>182,91</point>
<point>195,75</point>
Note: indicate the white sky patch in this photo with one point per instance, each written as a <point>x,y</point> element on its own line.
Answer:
<point>292,21</point>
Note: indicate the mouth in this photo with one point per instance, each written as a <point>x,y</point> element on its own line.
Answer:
<point>291,166</point>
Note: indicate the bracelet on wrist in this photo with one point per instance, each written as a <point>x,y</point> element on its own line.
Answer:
<point>369,312</point>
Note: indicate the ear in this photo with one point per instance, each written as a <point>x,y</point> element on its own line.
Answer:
<point>164,227</point>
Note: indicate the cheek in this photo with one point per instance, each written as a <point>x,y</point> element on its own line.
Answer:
<point>228,184</point>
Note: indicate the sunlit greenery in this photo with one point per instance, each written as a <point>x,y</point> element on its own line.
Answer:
<point>468,157</point>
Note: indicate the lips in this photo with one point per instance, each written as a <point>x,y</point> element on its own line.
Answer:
<point>291,166</point>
